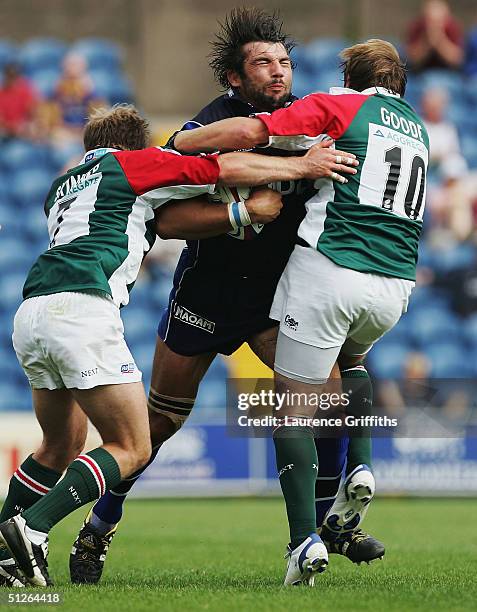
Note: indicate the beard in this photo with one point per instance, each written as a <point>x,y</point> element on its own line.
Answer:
<point>261,100</point>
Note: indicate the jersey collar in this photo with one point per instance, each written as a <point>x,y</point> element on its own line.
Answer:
<point>95,153</point>
<point>336,91</point>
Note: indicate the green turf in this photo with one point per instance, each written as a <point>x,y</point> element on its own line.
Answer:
<point>228,555</point>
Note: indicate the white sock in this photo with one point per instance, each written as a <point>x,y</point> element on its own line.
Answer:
<point>102,526</point>
<point>36,537</point>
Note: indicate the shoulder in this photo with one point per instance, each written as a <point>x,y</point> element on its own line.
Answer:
<point>223,107</point>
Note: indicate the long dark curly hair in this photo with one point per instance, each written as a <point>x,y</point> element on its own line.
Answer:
<point>241,26</point>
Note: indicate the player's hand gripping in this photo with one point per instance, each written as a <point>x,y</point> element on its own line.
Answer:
<point>324,162</point>
<point>264,205</point>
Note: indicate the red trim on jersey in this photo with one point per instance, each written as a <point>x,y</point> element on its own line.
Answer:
<point>152,168</point>
<point>315,114</point>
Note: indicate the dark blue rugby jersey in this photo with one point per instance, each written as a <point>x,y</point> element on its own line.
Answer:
<point>267,254</point>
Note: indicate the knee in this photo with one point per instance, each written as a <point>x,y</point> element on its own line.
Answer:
<point>58,454</point>
<point>142,454</point>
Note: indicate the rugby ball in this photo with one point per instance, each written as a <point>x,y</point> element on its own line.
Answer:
<point>227,195</point>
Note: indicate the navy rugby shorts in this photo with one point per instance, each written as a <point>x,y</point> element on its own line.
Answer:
<point>214,313</point>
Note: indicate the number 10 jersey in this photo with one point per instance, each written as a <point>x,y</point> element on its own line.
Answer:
<point>371,223</point>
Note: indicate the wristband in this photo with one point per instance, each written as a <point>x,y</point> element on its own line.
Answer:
<point>238,215</point>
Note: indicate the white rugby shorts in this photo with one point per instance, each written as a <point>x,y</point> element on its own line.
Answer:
<point>72,340</point>
<point>323,308</point>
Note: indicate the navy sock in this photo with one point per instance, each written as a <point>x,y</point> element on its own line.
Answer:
<point>331,461</point>
<point>109,508</point>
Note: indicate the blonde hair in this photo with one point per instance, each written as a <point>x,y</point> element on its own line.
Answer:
<point>119,127</point>
<point>374,63</point>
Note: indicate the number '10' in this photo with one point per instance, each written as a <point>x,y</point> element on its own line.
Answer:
<point>417,180</point>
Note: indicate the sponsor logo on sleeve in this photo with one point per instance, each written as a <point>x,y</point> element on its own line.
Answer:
<point>128,368</point>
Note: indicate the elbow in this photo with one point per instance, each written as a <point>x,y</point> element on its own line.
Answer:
<point>252,134</point>
<point>165,231</point>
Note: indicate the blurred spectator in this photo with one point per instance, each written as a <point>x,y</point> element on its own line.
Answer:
<point>18,105</point>
<point>470,64</point>
<point>73,99</point>
<point>424,406</point>
<point>443,136</point>
<point>394,397</point>
<point>451,202</point>
<point>435,38</point>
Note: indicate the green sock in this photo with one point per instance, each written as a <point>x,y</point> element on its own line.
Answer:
<point>30,482</point>
<point>297,465</point>
<point>361,403</point>
<point>87,478</point>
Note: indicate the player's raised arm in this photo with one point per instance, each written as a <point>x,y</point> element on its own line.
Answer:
<point>252,169</point>
<point>225,135</point>
<point>296,127</point>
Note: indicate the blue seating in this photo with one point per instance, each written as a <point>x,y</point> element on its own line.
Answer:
<point>449,360</point>
<point>35,225</point>
<point>6,328</point>
<point>41,53</point>
<point>11,369</point>
<point>121,90</point>
<point>66,155</point>
<point>100,53</point>
<point>212,397</point>
<point>218,370</point>
<point>8,53</point>
<point>143,356</point>
<point>326,79</point>
<point>322,54</point>
<point>11,223</point>
<point>427,297</point>
<point>15,258</point>
<point>45,81</point>
<point>470,90</point>
<point>452,82</point>
<point>139,324</point>
<point>30,187</point>
<point>14,397</point>
<point>19,154</point>
<point>11,286</point>
<point>469,149</point>
<point>450,258</point>
<point>302,84</point>
<point>111,85</point>
<point>414,89</point>
<point>160,291</point>
<point>434,324</point>
<point>400,333</point>
<point>386,359</point>
<point>470,329</point>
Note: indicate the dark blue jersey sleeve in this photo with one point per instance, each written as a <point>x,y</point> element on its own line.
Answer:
<point>223,107</point>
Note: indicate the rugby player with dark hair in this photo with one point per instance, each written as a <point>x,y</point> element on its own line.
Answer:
<point>353,268</point>
<point>68,334</point>
<point>229,283</point>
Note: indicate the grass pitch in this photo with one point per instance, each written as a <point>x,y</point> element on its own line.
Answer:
<point>215,554</point>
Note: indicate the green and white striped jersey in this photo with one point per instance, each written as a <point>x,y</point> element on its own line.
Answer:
<point>373,222</point>
<point>101,218</point>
